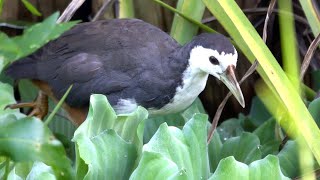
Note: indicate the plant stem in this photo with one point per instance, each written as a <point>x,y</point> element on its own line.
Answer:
<point>7,169</point>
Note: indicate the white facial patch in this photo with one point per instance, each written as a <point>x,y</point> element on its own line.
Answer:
<point>126,106</point>
<point>199,58</point>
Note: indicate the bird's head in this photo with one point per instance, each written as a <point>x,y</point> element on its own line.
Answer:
<point>215,55</point>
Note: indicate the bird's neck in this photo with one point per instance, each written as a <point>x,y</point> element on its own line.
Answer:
<point>193,80</point>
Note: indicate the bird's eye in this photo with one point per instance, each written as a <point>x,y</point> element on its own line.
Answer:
<point>213,60</point>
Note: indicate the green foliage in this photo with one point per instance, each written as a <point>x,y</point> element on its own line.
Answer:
<point>32,39</point>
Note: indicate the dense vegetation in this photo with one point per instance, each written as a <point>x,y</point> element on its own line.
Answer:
<point>107,146</point>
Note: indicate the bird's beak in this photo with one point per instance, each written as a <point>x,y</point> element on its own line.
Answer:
<point>230,80</point>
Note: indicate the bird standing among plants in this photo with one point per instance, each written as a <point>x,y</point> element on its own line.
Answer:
<point>130,61</point>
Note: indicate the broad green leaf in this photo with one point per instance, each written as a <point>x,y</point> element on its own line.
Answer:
<point>239,27</point>
<point>258,112</point>
<point>244,148</point>
<point>268,139</point>
<point>13,176</point>
<point>108,141</point>
<point>28,139</point>
<point>157,167</point>
<point>39,34</point>
<point>314,109</point>
<point>229,128</point>
<point>184,151</point>
<point>31,8</point>
<point>101,117</point>
<point>106,155</point>
<point>289,160</point>
<point>267,168</point>
<point>229,168</point>
<point>183,30</point>
<point>41,171</point>
<point>177,119</point>
<point>9,49</point>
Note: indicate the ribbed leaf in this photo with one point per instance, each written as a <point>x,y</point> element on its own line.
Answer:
<point>289,159</point>
<point>267,168</point>
<point>108,141</point>
<point>177,120</point>
<point>244,148</point>
<point>28,139</point>
<point>184,152</point>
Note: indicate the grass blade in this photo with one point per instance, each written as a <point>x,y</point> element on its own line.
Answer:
<point>55,110</point>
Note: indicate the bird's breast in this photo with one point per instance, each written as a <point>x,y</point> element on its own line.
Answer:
<point>193,84</point>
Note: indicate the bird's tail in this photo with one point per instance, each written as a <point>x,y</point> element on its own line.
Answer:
<point>24,68</point>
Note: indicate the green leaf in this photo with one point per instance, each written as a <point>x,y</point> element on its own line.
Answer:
<point>258,112</point>
<point>41,171</point>
<point>267,168</point>
<point>32,39</point>
<point>31,8</point>
<point>184,152</point>
<point>177,120</point>
<point>229,168</point>
<point>229,128</point>
<point>183,30</point>
<point>13,175</point>
<point>9,49</point>
<point>106,156</point>
<point>244,148</point>
<point>108,145</point>
<point>289,159</point>
<point>268,139</point>
<point>313,108</point>
<point>28,139</point>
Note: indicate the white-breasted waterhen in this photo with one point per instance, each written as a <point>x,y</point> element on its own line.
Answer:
<point>130,61</point>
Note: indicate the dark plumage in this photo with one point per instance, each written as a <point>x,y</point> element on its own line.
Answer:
<point>123,59</point>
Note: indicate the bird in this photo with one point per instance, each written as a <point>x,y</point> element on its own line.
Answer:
<point>131,62</point>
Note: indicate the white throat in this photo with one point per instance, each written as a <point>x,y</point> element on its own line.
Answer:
<point>193,83</point>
